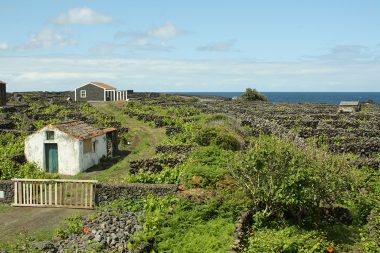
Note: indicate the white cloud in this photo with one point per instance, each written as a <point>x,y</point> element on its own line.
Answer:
<point>166,31</point>
<point>62,75</point>
<point>43,73</point>
<point>47,38</point>
<point>3,46</point>
<point>82,15</point>
<point>343,53</point>
<point>155,39</point>
<point>220,46</point>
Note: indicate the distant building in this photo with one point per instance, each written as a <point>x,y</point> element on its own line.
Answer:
<point>349,106</point>
<point>70,147</point>
<point>3,93</point>
<point>96,91</point>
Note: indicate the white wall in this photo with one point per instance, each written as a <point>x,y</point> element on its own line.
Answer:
<point>71,159</point>
<point>90,159</point>
<point>68,150</point>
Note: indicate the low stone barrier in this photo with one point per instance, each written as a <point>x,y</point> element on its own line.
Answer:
<point>6,192</point>
<point>107,192</point>
<point>154,164</point>
<point>178,149</point>
<point>241,229</point>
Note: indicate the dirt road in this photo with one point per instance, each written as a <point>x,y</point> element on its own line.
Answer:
<point>31,220</point>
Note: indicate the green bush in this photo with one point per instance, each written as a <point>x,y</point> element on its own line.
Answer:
<point>218,137</point>
<point>253,95</point>
<point>206,136</point>
<point>282,178</point>
<point>227,142</point>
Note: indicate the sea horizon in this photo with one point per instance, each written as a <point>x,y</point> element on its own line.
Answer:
<point>299,97</point>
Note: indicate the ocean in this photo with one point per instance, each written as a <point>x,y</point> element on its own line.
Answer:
<point>301,97</point>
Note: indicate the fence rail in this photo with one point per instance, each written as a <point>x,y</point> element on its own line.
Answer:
<point>54,193</point>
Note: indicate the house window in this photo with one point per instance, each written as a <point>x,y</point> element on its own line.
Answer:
<point>83,94</point>
<point>49,135</point>
<point>87,146</point>
<point>94,146</point>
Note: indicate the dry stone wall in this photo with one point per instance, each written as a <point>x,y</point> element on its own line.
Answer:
<point>107,192</point>
<point>6,192</point>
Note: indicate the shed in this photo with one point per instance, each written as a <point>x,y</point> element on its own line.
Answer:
<point>349,106</point>
<point>3,93</point>
<point>97,91</point>
<point>69,147</point>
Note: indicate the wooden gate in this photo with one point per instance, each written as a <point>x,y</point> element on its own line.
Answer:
<point>54,193</point>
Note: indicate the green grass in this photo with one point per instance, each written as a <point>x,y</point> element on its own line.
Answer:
<point>4,208</point>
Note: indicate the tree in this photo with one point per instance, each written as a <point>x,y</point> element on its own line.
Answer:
<point>253,95</point>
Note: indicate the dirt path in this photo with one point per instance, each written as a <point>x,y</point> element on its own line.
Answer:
<point>38,222</point>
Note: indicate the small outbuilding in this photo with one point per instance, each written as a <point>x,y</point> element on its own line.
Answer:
<point>3,93</point>
<point>70,147</point>
<point>97,91</point>
<point>349,106</point>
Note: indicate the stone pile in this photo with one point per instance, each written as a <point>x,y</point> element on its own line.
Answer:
<point>109,231</point>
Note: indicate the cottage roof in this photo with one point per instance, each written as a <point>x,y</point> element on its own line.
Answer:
<point>80,130</point>
<point>2,82</point>
<point>349,103</point>
<point>103,86</point>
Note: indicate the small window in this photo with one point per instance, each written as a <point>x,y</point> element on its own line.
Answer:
<point>83,94</point>
<point>49,135</point>
<point>87,148</point>
<point>94,147</point>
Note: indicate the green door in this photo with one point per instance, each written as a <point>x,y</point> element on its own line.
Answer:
<point>51,156</point>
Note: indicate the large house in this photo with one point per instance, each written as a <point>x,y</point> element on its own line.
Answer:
<point>70,147</point>
<point>97,91</point>
<point>3,93</point>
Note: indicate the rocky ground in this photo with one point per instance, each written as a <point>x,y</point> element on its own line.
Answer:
<point>109,231</point>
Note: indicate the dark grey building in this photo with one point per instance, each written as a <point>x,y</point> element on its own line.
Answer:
<point>96,91</point>
<point>3,93</point>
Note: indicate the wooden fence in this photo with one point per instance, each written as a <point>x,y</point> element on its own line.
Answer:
<point>54,193</point>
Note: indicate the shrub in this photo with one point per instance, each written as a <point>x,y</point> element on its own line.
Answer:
<point>206,136</point>
<point>282,179</point>
<point>227,142</point>
<point>219,137</point>
<point>253,95</point>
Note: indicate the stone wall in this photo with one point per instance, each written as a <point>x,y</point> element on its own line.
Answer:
<point>107,192</point>
<point>242,228</point>
<point>6,189</point>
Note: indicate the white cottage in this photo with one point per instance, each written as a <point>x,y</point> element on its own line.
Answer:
<point>68,148</point>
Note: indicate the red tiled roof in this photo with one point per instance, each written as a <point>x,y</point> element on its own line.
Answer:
<point>104,86</point>
<point>80,130</point>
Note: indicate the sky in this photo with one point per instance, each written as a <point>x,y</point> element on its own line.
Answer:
<point>197,45</point>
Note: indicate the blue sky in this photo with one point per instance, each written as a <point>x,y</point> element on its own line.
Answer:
<point>167,45</point>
